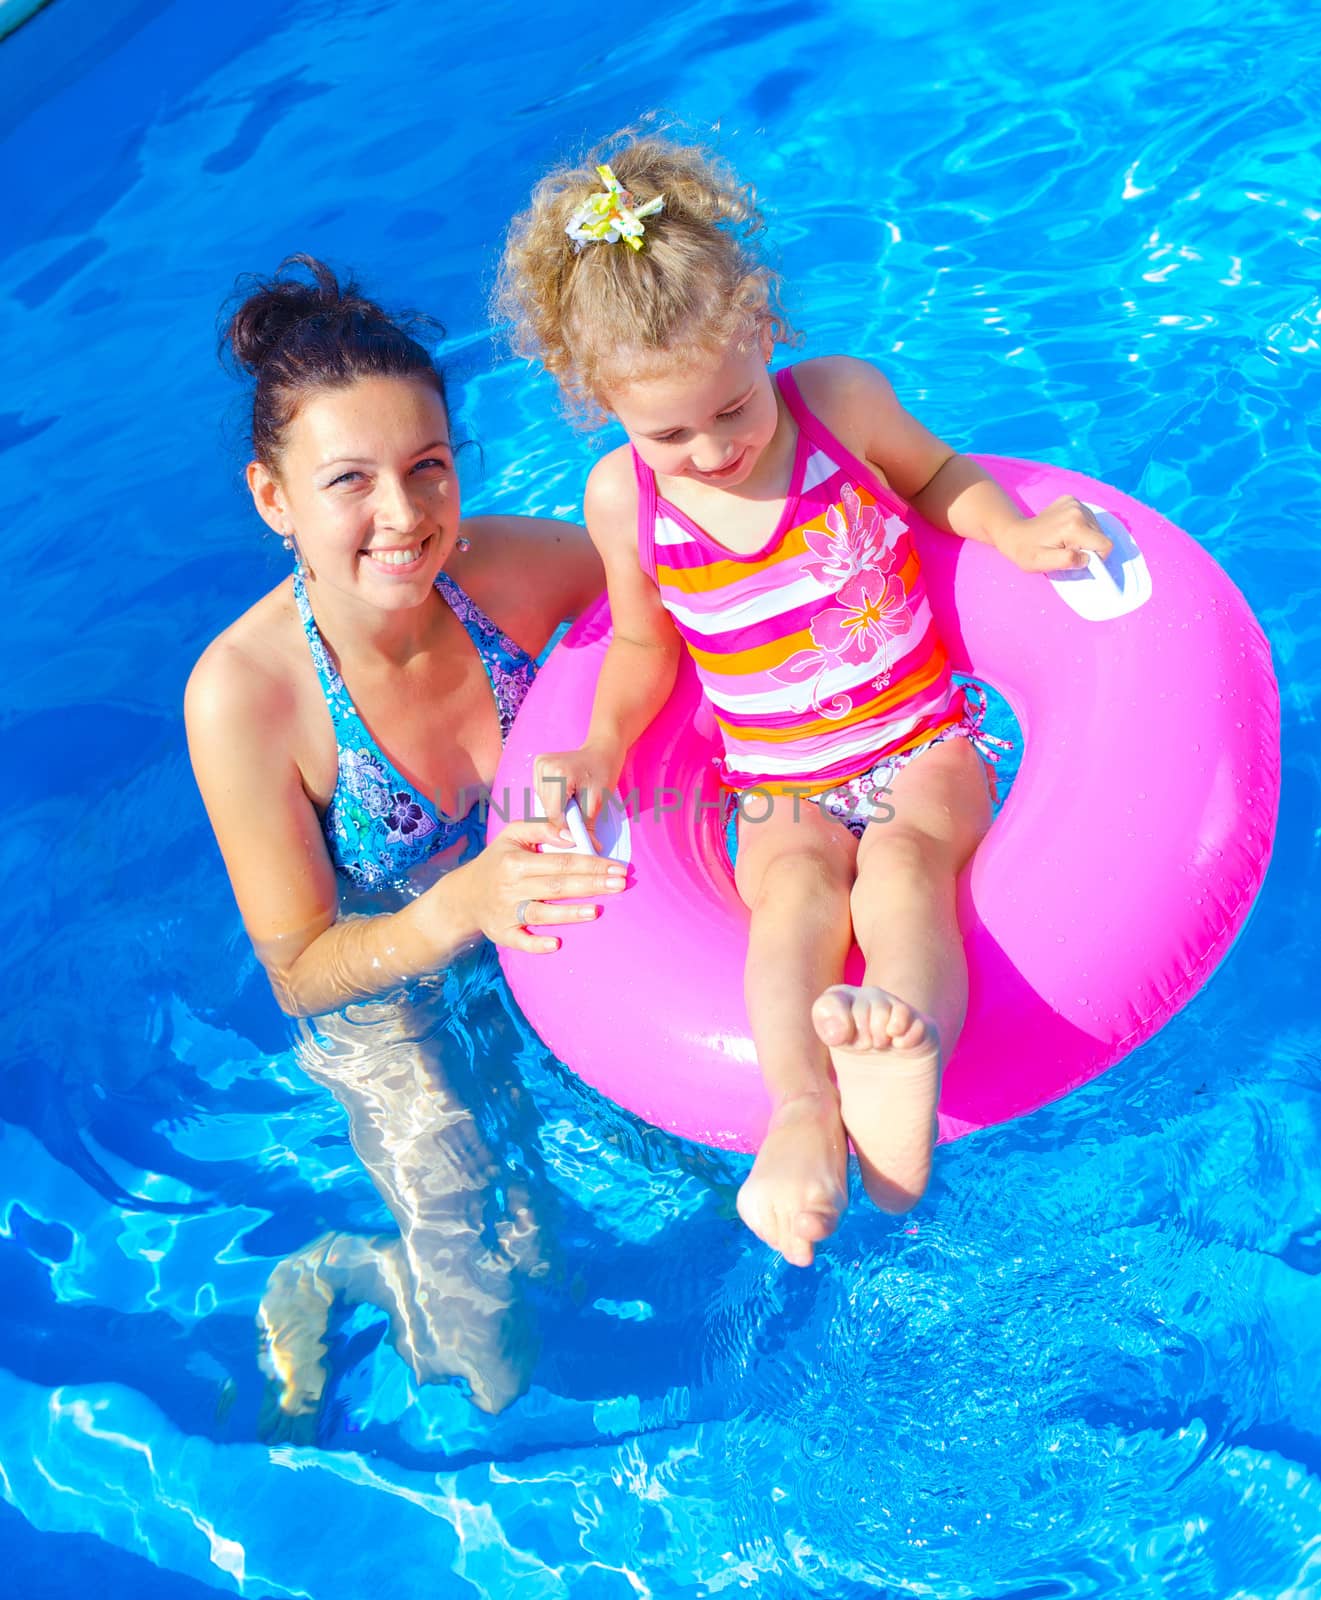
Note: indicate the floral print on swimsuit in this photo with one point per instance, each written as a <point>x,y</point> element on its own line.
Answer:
<point>377,827</point>
<point>872,608</point>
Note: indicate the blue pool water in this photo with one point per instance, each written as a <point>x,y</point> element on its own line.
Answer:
<point>1085,232</point>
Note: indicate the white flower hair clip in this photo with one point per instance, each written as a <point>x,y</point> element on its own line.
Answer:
<point>609,216</point>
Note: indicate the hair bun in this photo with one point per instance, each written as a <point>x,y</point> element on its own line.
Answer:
<point>297,337</point>
<point>273,307</point>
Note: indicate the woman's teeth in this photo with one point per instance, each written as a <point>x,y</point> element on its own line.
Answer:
<point>395,558</point>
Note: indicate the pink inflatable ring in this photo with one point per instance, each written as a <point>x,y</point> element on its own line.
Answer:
<point>1114,880</point>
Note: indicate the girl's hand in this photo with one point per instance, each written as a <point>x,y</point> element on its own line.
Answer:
<point>590,774</point>
<point>1055,540</point>
<point>511,885</point>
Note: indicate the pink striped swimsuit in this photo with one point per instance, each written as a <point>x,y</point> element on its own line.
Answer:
<point>818,652</point>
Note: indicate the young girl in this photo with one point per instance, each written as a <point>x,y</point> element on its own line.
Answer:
<point>762,522</point>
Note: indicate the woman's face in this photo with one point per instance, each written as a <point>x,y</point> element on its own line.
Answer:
<point>367,490</point>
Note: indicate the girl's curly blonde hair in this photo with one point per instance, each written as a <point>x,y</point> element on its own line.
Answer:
<point>598,314</point>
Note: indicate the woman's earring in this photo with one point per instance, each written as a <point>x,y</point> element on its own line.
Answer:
<point>463,544</point>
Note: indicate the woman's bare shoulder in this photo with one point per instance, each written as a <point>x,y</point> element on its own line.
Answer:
<point>499,536</point>
<point>247,672</point>
<point>528,573</point>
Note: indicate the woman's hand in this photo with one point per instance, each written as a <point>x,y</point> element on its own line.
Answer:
<point>511,884</point>
<point>1055,540</point>
<point>589,774</point>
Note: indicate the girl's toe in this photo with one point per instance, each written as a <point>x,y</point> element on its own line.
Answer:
<point>832,1017</point>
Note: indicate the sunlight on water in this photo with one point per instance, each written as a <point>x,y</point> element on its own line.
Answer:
<point>1086,1364</point>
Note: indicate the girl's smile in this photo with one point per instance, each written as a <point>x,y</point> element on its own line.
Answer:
<point>729,471</point>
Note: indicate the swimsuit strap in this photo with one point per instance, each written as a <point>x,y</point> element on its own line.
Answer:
<point>509,668</point>
<point>342,709</point>
<point>646,481</point>
<point>973,720</point>
<point>819,437</point>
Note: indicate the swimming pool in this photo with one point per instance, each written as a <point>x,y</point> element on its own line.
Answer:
<point>1086,1364</point>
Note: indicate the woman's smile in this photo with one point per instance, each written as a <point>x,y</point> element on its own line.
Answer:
<point>399,561</point>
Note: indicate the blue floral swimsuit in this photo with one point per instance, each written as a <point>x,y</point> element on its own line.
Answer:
<point>377,827</point>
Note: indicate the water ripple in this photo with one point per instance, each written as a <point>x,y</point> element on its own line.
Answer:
<point>1086,1364</point>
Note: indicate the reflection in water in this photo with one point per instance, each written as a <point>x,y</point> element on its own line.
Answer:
<point>450,1281</point>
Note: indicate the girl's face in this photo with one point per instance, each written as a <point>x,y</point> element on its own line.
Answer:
<point>367,490</point>
<point>710,421</point>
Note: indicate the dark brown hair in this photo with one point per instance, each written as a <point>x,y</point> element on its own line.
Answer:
<point>298,338</point>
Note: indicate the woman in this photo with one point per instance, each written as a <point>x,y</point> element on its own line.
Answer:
<point>339,731</point>
<point>337,727</point>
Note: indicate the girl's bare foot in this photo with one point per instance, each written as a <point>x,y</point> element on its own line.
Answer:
<point>887,1064</point>
<point>798,1187</point>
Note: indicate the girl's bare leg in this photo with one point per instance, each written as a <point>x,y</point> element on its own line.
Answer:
<point>795,875</point>
<point>890,1037</point>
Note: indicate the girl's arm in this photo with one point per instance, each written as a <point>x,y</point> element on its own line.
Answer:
<point>640,662</point>
<point>240,722</point>
<point>950,490</point>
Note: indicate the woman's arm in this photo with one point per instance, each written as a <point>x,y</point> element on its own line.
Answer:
<point>950,490</point>
<point>640,662</point>
<point>240,719</point>
<point>529,574</point>
<point>240,724</point>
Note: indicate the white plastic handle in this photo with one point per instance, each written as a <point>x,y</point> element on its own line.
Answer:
<point>577,826</point>
<point>611,829</point>
<point>1109,588</point>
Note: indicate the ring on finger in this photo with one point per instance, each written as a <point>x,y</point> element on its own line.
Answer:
<point>520,913</point>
